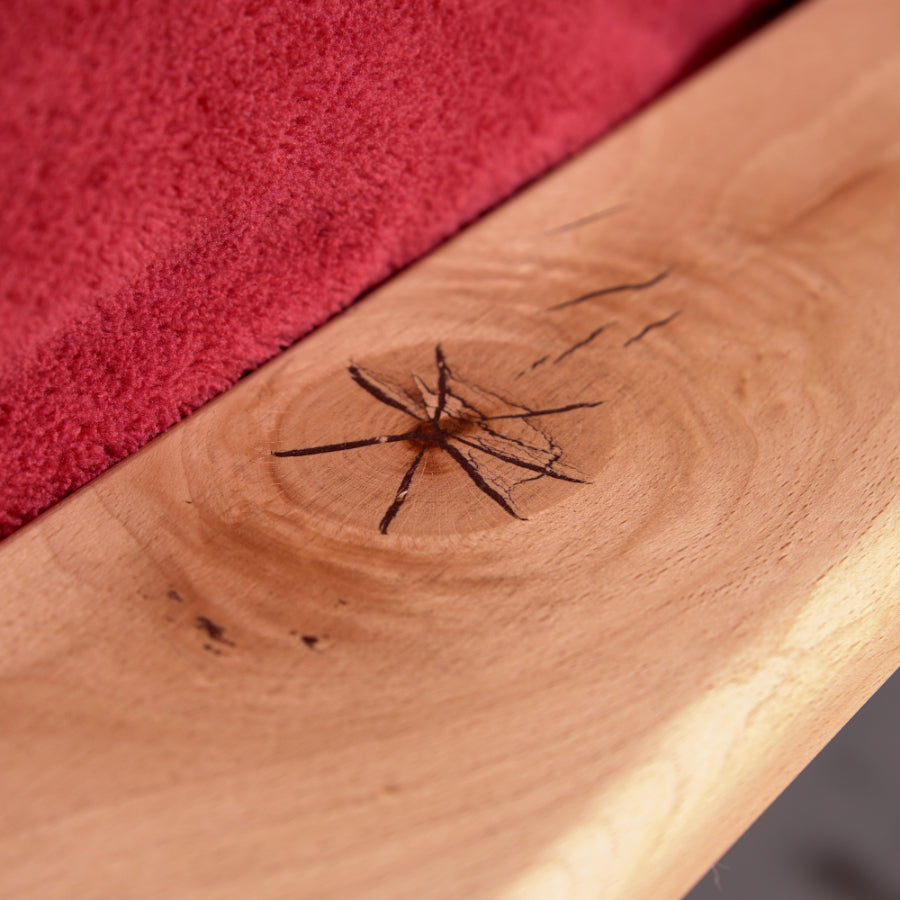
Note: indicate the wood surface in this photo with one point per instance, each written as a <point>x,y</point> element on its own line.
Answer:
<point>497,654</point>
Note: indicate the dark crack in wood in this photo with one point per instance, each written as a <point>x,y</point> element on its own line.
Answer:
<point>479,481</point>
<point>363,379</point>
<point>531,413</point>
<point>648,328</point>
<point>586,220</point>
<point>443,374</point>
<point>402,492</point>
<point>583,343</point>
<point>615,289</point>
<point>522,464</point>
<point>347,445</point>
<point>534,365</point>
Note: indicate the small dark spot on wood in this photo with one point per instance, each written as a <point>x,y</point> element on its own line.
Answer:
<point>341,602</point>
<point>293,632</point>
<point>214,650</point>
<point>310,640</point>
<point>188,501</point>
<point>174,595</point>
<point>216,632</point>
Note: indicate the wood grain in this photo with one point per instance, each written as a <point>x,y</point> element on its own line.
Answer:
<point>578,677</point>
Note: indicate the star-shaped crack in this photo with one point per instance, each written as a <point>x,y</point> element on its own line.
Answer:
<point>449,418</point>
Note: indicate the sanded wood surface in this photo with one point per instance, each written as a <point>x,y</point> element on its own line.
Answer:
<point>583,537</point>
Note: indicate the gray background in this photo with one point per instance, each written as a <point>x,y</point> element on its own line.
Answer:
<point>834,834</point>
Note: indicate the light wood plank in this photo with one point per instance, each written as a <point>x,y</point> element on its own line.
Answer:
<point>220,679</point>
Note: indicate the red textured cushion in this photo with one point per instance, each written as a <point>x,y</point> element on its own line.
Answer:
<point>188,187</point>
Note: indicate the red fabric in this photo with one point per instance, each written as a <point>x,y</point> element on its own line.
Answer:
<point>188,187</point>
